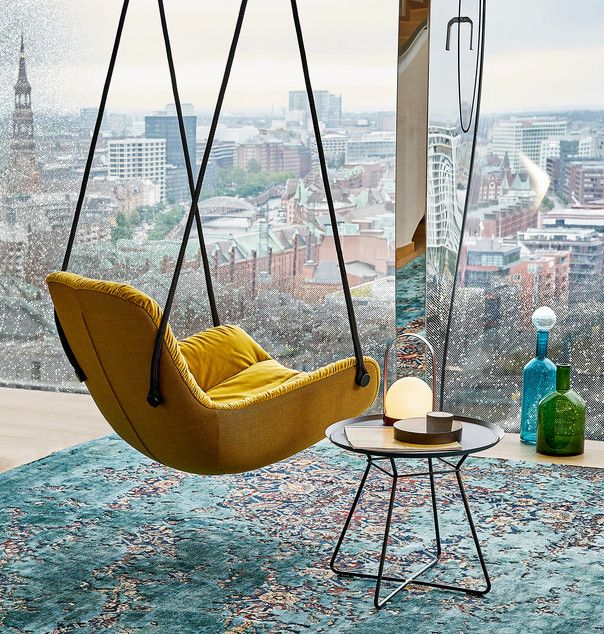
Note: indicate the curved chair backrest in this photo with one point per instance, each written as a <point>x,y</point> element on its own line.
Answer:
<point>113,327</point>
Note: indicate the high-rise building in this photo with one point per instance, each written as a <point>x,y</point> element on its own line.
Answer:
<point>581,147</point>
<point>487,263</point>
<point>542,277</point>
<point>267,155</point>
<point>444,213</point>
<point>222,154</point>
<point>329,106</point>
<point>22,175</point>
<point>584,182</point>
<point>584,245</point>
<point>139,158</point>
<point>274,156</point>
<point>522,138</point>
<point>334,147</point>
<point>164,125</point>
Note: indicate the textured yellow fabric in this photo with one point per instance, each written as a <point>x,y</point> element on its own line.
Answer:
<point>257,378</point>
<point>216,354</point>
<point>271,413</point>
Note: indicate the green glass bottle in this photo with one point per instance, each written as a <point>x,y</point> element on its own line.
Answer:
<point>561,420</point>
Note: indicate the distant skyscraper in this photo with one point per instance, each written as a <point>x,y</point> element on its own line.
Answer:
<point>164,125</point>
<point>565,147</point>
<point>139,158</point>
<point>329,106</point>
<point>444,213</point>
<point>523,138</point>
<point>22,175</point>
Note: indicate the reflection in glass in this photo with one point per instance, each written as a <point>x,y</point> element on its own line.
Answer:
<point>533,232</point>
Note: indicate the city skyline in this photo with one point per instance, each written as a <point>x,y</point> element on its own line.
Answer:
<point>267,229</point>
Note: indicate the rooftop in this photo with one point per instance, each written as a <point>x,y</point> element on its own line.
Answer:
<point>490,245</point>
<point>561,233</point>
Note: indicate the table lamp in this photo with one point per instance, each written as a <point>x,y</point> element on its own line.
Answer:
<point>409,396</point>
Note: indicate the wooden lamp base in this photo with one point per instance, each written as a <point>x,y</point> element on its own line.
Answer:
<point>437,428</point>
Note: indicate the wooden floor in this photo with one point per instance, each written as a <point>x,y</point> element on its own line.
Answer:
<point>34,424</point>
<point>512,449</point>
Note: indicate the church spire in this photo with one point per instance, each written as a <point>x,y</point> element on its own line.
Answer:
<point>22,80</point>
<point>22,175</point>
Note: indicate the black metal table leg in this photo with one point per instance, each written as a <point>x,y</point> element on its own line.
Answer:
<point>332,563</point>
<point>459,588</point>
<point>380,577</point>
<point>434,508</point>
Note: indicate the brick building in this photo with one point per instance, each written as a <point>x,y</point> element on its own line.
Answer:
<point>584,182</point>
<point>584,245</point>
<point>541,278</point>
<point>275,156</point>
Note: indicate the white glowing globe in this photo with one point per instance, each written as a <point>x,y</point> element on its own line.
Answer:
<point>544,318</point>
<point>409,397</point>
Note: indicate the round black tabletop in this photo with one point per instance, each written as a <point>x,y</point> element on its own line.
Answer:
<point>477,436</point>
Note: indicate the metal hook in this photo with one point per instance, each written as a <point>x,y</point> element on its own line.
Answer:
<point>460,20</point>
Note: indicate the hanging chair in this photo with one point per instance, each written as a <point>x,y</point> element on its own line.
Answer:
<point>215,402</point>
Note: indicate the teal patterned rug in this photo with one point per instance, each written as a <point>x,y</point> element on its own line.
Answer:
<point>98,538</point>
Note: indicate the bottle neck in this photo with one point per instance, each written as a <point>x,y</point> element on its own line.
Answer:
<point>542,338</point>
<point>563,378</point>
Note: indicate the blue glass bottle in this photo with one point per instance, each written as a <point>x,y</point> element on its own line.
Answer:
<point>539,376</point>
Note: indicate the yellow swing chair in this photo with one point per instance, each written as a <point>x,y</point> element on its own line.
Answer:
<point>224,405</point>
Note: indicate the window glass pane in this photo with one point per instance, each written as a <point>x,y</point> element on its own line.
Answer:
<point>270,245</point>
<point>534,229</point>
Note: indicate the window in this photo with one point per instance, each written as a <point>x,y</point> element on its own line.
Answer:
<point>269,242</point>
<point>490,322</point>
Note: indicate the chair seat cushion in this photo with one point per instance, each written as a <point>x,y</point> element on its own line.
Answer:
<point>219,353</point>
<point>259,377</point>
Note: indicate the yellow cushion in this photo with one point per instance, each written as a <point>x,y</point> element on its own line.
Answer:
<point>256,379</point>
<point>216,354</point>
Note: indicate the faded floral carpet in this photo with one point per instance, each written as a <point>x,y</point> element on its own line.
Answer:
<point>99,538</point>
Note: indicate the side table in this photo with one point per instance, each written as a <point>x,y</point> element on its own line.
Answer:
<point>477,436</point>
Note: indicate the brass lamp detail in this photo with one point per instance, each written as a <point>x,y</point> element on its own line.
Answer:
<point>410,396</point>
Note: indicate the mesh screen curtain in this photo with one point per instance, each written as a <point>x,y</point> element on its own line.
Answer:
<point>274,273</point>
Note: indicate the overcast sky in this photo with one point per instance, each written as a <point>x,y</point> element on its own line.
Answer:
<point>540,53</point>
<point>351,44</point>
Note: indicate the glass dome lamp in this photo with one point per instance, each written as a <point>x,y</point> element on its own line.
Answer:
<point>409,396</point>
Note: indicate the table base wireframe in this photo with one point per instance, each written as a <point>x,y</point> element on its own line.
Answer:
<point>372,462</point>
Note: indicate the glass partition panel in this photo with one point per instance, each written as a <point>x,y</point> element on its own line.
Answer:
<point>533,233</point>
<point>455,46</point>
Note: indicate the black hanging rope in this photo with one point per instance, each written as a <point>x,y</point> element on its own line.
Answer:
<point>362,376</point>
<point>154,398</point>
<point>87,169</point>
<point>95,137</point>
<point>185,147</point>
<point>478,94</point>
